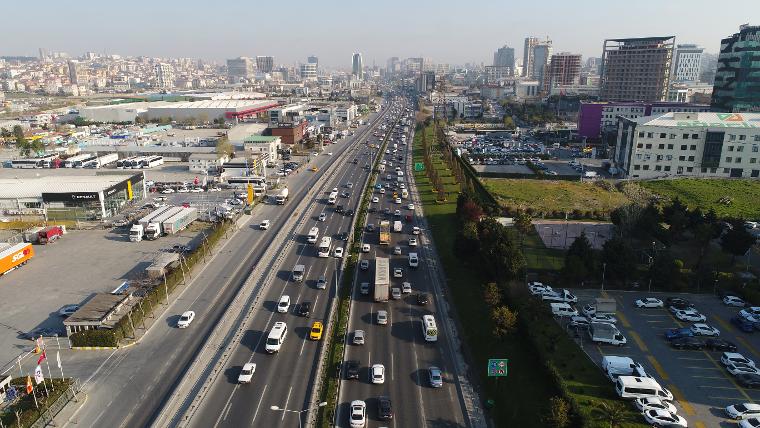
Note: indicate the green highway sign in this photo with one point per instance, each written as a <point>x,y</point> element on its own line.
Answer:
<point>497,367</point>
<point>419,166</point>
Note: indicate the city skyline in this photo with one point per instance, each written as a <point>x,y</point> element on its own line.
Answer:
<point>227,36</point>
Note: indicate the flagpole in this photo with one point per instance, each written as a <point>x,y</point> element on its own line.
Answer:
<point>50,375</point>
<point>60,366</point>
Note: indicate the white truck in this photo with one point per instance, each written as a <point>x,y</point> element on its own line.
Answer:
<point>558,296</point>
<point>332,198</point>
<point>604,332</point>
<point>136,233</point>
<point>382,279</point>
<point>615,366</point>
<point>281,197</point>
<point>397,226</point>
<point>154,228</point>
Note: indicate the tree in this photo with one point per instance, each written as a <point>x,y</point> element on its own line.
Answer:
<point>559,413</point>
<point>508,122</point>
<point>579,260</point>
<point>471,211</point>
<point>466,244</point>
<point>492,294</point>
<point>665,271</point>
<point>504,321</point>
<point>613,413</point>
<point>223,147</point>
<point>523,223</point>
<point>619,259</point>
<point>737,240</point>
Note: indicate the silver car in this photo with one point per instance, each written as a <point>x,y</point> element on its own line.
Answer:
<point>436,377</point>
<point>359,337</point>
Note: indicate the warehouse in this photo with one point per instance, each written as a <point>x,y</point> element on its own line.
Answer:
<point>208,110</point>
<point>67,197</point>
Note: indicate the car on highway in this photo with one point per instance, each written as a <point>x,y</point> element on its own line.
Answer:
<point>412,242</point>
<point>398,272</point>
<point>716,344</point>
<point>264,225</point>
<point>322,282</point>
<point>316,330</point>
<point>748,380</point>
<point>743,324</point>
<point>701,329</point>
<point>743,411</point>
<point>415,230</point>
<point>186,319</point>
<point>359,337</point>
<point>410,207</point>
<point>435,376</point>
<point>395,293</point>
<point>422,299</point>
<point>688,342</point>
<point>396,250</point>
<point>358,414</point>
<point>364,264</point>
<point>382,317</point>
<point>352,369</point>
<point>377,374</point>
<point>649,302</point>
<point>375,200</point>
<point>322,217</point>
<point>343,236</point>
<point>365,248</point>
<point>406,288</point>
<point>67,310</point>
<point>691,315</point>
<point>397,213</point>
<point>733,301</point>
<point>664,418</point>
<point>304,309</point>
<point>246,373</point>
<point>370,227</point>
<point>644,404</point>
<point>284,304</point>
<point>397,200</point>
<point>677,333</point>
<point>364,288</point>
<point>338,253</point>
<point>384,409</point>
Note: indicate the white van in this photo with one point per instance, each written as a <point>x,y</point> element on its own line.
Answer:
<point>298,272</point>
<point>615,367</point>
<point>276,337</point>
<point>563,310</point>
<point>414,261</point>
<point>641,387</point>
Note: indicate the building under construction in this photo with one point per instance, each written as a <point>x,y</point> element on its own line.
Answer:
<point>636,69</point>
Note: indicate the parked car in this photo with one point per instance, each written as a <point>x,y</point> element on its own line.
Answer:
<point>716,344</point>
<point>689,315</point>
<point>743,411</point>
<point>748,380</point>
<point>743,324</point>
<point>701,329</point>
<point>733,301</point>
<point>664,418</point>
<point>647,403</point>
<point>649,302</point>
<point>677,333</point>
<point>687,342</point>
<point>735,357</point>
<point>67,310</point>
<point>741,368</point>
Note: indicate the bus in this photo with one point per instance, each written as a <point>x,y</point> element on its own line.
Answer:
<point>152,161</point>
<point>311,238</point>
<point>125,163</point>
<point>259,184</point>
<point>324,247</point>
<point>137,162</point>
<point>429,329</point>
<point>78,161</point>
<point>40,162</point>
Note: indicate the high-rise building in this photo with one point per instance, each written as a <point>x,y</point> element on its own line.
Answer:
<point>530,42</point>
<point>737,81</point>
<point>504,57</point>
<point>393,65</point>
<point>312,59</point>
<point>43,54</point>
<point>357,68</point>
<point>686,63</point>
<point>308,71</point>
<point>536,57</point>
<point>239,69</point>
<point>593,64</point>
<point>636,69</point>
<point>265,64</point>
<point>164,75</point>
<point>564,69</point>
<point>78,73</point>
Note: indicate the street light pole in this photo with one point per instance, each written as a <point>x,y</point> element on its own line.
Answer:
<point>280,409</point>
<point>604,270</point>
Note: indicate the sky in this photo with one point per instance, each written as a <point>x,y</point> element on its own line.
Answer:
<point>454,32</point>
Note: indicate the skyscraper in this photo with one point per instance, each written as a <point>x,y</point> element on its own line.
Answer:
<point>686,63</point>
<point>535,57</point>
<point>636,69</point>
<point>312,59</point>
<point>265,64</point>
<point>564,69</point>
<point>239,68</point>
<point>504,57</point>
<point>737,81</point>
<point>530,42</point>
<point>357,68</point>
<point>393,65</point>
<point>164,76</point>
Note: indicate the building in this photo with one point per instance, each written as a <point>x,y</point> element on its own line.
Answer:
<point>77,73</point>
<point>689,144</point>
<point>357,68</point>
<point>240,69</point>
<point>309,71</point>
<point>346,112</point>
<point>563,70</point>
<point>265,64</point>
<point>597,117</point>
<point>737,81</point>
<point>425,82</point>
<point>498,73</point>
<point>289,133</point>
<point>164,76</point>
<point>287,113</point>
<point>393,65</point>
<point>102,311</point>
<point>265,146</point>
<point>535,57</point>
<point>687,63</point>
<point>530,42</point>
<point>207,163</point>
<point>527,89</point>
<point>690,92</point>
<point>209,110</point>
<point>636,69</point>
<point>311,59</point>
<point>70,197</point>
<point>504,57</point>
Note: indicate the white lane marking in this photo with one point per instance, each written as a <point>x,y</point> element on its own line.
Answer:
<point>392,377</point>
<point>286,404</point>
<point>259,405</point>
<point>226,409</point>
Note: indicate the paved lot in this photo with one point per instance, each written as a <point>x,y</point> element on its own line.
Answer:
<point>561,234</point>
<point>69,271</point>
<point>700,384</point>
<point>504,169</point>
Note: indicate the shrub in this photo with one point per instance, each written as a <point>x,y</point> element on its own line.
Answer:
<point>106,338</point>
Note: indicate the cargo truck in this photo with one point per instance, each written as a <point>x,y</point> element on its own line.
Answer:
<point>145,221</point>
<point>136,233</point>
<point>14,255</point>
<point>385,232</point>
<point>397,226</point>
<point>382,279</point>
<point>155,228</point>
<point>49,234</point>
<point>281,197</point>
<point>179,221</point>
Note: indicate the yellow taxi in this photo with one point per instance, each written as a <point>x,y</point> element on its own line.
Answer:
<point>314,168</point>
<point>316,331</point>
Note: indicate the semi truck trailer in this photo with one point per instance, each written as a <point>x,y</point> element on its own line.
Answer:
<point>13,256</point>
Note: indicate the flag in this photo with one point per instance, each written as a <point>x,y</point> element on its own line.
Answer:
<point>41,358</point>
<point>29,387</point>
<point>58,358</point>
<point>38,377</point>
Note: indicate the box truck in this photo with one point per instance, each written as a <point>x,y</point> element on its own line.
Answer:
<point>14,255</point>
<point>382,279</point>
<point>49,234</point>
<point>179,221</point>
<point>385,232</point>
<point>281,197</point>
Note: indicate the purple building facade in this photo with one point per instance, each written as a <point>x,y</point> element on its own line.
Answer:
<point>594,117</point>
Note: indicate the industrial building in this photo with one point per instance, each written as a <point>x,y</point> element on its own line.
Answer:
<point>209,110</point>
<point>636,69</point>
<point>689,145</point>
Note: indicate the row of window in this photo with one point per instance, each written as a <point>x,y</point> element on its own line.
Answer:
<point>670,146</point>
<point>660,158</point>
<point>666,168</point>
<point>685,136</point>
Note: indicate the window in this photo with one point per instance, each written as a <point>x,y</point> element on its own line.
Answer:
<point>683,146</point>
<point>639,146</point>
<point>752,160</point>
<point>650,135</point>
<point>637,167</point>
<point>739,148</point>
<point>641,134</point>
<point>695,136</point>
<point>755,173</point>
<point>730,148</point>
<point>658,167</point>
<point>713,170</point>
<point>682,158</point>
<point>661,146</point>
<point>704,170</point>
<point>755,148</point>
<point>679,170</point>
<point>667,167</point>
<point>731,137</point>
<point>659,158</point>
<point>689,169</point>
<point>663,135</point>
<point>738,160</point>
<point>670,147</point>
<point>669,157</point>
<point>693,147</point>
<point>728,159</point>
<point>646,167</point>
<point>672,136</point>
<point>691,159</point>
<point>726,170</point>
<point>757,137</point>
<point>648,146</point>
<point>685,136</point>
<point>742,137</point>
<point>638,156</point>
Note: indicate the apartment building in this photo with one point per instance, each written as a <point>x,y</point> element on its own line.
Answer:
<point>636,69</point>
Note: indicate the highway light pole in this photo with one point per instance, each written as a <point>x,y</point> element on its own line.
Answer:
<point>278,408</point>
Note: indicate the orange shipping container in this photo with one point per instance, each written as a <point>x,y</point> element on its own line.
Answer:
<point>15,256</point>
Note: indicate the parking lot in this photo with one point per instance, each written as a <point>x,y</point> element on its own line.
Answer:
<point>700,384</point>
<point>70,271</point>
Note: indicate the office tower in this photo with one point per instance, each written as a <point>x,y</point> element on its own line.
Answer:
<point>393,65</point>
<point>593,64</point>
<point>535,57</point>
<point>77,73</point>
<point>356,66</point>
<point>164,76</point>
<point>686,63</point>
<point>265,64</point>
<point>564,69</point>
<point>530,42</point>
<point>308,71</point>
<point>737,81</point>
<point>313,60</point>
<point>239,69</point>
<point>636,69</point>
<point>504,57</point>
<point>43,54</point>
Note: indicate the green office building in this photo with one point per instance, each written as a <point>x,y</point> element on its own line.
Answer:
<point>737,81</point>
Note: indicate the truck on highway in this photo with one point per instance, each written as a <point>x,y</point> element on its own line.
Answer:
<point>179,221</point>
<point>281,197</point>
<point>385,232</point>
<point>13,256</point>
<point>382,279</point>
<point>332,198</point>
<point>397,226</point>
<point>49,234</point>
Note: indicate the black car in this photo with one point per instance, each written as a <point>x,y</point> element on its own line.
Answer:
<point>349,212</point>
<point>370,227</point>
<point>677,303</point>
<point>720,345</point>
<point>305,309</point>
<point>371,209</point>
<point>384,408</point>
<point>339,209</point>
<point>352,369</point>
<point>343,236</point>
<point>422,299</point>
<point>688,343</point>
<point>749,380</point>
<point>387,211</point>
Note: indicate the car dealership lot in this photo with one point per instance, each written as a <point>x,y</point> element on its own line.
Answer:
<point>700,384</point>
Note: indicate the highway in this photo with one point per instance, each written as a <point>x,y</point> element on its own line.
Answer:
<point>127,387</point>
<point>285,379</point>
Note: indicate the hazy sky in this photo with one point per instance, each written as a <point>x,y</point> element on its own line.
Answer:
<point>446,31</point>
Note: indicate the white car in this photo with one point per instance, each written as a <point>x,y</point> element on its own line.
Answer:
<point>743,411</point>
<point>538,288</point>
<point>358,414</point>
<point>359,337</point>
<point>397,213</point>
<point>395,293</point>
<point>214,189</point>
<point>322,217</point>
<point>329,153</point>
<point>185,319</point>
<point>398,200</point>
<point>375,200</point>
<point>246,373</point>
<point>649,302</point>
<point>183,190</point>
<point>733,301</point>
<point>377,373</point>
<point>284,304</point>
<point>588,310</point>
<point>735,357</point>
<point>664,418</point>
<point>398,273</point>
<point>741,368</point>
<point>412,242</point>
<point>701,329</point>
<point>415,230</point>
<point>382,190</point>
<point>264,225</point>
<point>602,318</point>
<point>397,250</point>
<point>365,248</point>
<point>410,206</point>
<point>338,252</point>
<point>402,185</point>
<point>167,191</point>
<point>68,310</point>
<point>196,190</point>
<point>749,315</point>
<point>750,423</point>
<point>647,403</point>
<point>382,317</point>
<point>691,315</point>
<point>406,287</point>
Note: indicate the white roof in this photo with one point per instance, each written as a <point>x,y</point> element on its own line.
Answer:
<point>18,188</point>
<point>704,120</point>
<point>230,105</point>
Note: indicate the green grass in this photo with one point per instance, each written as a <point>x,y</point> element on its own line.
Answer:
<point>548,196</point>
<point>523,396</point>
<point>706,194</point>
<point>539,258</point>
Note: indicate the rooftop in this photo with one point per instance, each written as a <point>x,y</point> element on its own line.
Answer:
<point>98,309</point>
<point>260,139</point>
<point>231,105</point>
<point>26,187</point>
<point>705,120</point>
